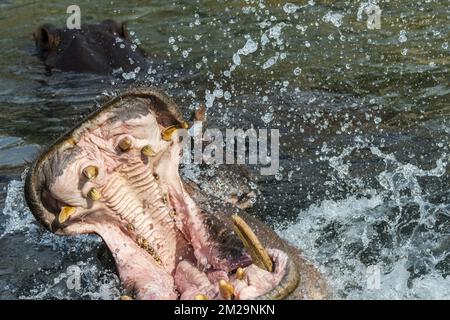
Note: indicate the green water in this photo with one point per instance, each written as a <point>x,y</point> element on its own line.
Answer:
<point>363,115</point>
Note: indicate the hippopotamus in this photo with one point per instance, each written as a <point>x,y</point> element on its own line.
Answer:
<point>102,48</point>
<point>116,174</point>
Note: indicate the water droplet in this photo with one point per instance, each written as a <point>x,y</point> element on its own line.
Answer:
<point>270,62</point>
<point>402,37</point>
<point>333,18</point>
<point>236,59</point>
<point>227,95</point>
<point>267,118</point>
<point>264,39</point>
<point>249,47</point>
<point>290,8</point>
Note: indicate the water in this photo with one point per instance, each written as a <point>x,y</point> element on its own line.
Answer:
<point>363,186</point>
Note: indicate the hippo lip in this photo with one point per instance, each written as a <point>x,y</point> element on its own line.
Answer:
<point>116,175</point>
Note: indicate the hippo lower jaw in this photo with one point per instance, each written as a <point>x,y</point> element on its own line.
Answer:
<point>116,175</point>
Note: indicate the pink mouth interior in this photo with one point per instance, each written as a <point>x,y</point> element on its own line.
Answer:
<point>164,245</point>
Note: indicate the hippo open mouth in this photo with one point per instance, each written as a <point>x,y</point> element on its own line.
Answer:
<point>116,175</point>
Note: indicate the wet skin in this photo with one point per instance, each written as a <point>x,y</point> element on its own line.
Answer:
<point>95,48</point>
<point>116,175</point>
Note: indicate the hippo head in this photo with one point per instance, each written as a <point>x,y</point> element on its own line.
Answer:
<point>116,175</point>
<point>95,48</point>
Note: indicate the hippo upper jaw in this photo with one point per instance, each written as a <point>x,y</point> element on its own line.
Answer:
<point>116,175</point>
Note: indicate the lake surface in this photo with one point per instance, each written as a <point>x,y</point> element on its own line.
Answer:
<point>363,187</point>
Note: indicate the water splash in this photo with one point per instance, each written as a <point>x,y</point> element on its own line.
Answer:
<point>95,281</point>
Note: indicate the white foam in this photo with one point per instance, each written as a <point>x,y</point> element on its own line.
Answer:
<point>339,234</point>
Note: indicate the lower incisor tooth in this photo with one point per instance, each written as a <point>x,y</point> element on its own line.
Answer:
<point>226,289</point>
<point>240,273</point>
<point>201,296</point>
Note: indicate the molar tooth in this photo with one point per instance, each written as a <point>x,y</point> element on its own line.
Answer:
<point>148,151</point>
<point>240,273</point>
<point>126,297</point>
<point>130,227</point>
<point>201,296</point>
<point>172,213</point>
<point>259,254</point>
<point>153,253</point>
<point>94,194</point>
<point>155,256</point>
<point>90,172</point>
<point>65,213</point>
<point>166,134</point>
<point>226,289</point>
<point>125,144</point>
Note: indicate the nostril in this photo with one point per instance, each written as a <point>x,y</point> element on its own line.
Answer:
<point>46,38</point>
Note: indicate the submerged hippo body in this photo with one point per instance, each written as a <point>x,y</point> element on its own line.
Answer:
<point>116,175</point>
<point>102,48</point>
